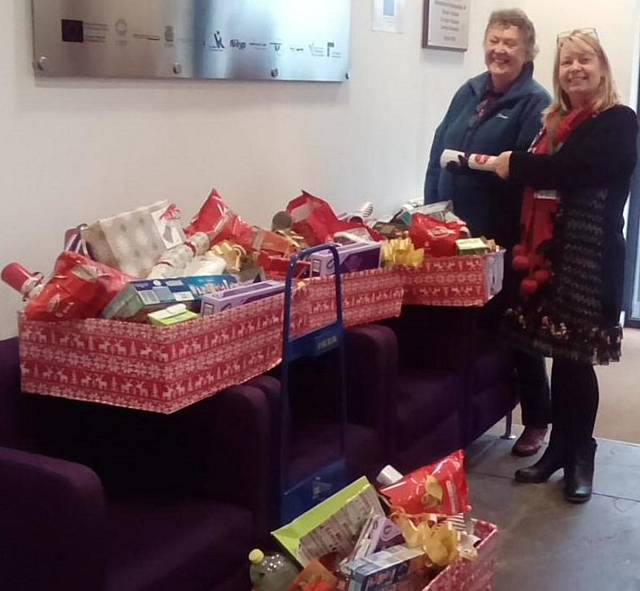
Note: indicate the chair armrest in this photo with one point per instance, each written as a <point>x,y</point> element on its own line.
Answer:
<point>225,442</point>
<point>52,516</point>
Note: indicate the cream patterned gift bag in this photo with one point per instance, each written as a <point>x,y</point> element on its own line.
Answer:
<point>134,240</point>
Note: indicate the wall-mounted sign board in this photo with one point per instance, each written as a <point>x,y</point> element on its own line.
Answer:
<point>229,39</point>
<point>446,24</point>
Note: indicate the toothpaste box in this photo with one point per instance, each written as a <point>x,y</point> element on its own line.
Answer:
<point>387,570</point>
<point>239,295</point>
<point>358,256</point>
<point>139,298</point>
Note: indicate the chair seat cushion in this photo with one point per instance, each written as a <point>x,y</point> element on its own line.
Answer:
<point>316,444</point>
<point>165,545</point>
<point>425,399</point>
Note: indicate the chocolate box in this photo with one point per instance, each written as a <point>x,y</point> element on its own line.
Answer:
<point>358,256</point>
<point>239,295</point>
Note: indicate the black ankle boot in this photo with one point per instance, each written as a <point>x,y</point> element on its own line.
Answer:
<point>551,461</point>
<point>579,473</point>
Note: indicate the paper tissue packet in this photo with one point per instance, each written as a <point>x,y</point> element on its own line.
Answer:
<point>139,298</point>
<point>239,295</point>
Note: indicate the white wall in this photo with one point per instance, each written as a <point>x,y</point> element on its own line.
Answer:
<point>74,150</point>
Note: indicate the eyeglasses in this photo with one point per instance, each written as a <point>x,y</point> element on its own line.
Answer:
<point>590,31</point>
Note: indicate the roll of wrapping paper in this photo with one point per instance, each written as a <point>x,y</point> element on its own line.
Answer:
<point>482,162</point>
<point>400,252</point>
<point>174,260</point>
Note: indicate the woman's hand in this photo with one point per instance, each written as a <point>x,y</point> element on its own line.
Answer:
<point>502,165</point>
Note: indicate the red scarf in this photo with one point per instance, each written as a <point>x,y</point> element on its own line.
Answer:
<point>557,129</point>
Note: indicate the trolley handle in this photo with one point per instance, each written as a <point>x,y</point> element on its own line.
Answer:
<point>288,289</point>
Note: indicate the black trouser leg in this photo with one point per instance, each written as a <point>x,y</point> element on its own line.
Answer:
<point>554,456</point>
<point>575,387</point>
<point>532,380</point>
<point>533,389</point>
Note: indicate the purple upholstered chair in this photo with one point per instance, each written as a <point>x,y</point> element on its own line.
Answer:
<point>421,415</point>
<point>314,417</point>
<point>106,499</point>
<point>451,347</point>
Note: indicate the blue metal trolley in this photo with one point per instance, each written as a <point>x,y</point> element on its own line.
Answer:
<point>298,497</point>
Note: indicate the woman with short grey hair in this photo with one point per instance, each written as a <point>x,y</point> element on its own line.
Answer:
<point>499,110</point>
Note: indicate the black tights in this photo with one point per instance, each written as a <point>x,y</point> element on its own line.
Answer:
<point>574,399</point>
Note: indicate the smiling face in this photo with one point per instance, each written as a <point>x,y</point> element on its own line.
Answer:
<point>504,55</point>
<point>580,72</point>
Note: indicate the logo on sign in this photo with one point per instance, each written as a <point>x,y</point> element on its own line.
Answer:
<point>316,50</point>
<point>121,26</point>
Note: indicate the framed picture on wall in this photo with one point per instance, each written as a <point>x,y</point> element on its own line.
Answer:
<point>445,24</point>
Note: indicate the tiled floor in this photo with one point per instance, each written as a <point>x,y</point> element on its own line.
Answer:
<point>547,544</point>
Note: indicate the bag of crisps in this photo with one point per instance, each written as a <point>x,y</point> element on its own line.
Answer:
<point>440,488</point>
<point>79,288</point>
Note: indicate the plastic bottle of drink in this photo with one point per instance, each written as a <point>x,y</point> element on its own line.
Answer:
<point>271,572</point>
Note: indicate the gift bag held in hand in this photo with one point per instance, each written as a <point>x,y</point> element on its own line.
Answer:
<point>133,241</point>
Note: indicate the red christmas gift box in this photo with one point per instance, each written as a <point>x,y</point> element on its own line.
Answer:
<point>165,369</point>
<point>368,296</point>
<point>474,575</point>
<point>147,368</point>
<point>454,281</point>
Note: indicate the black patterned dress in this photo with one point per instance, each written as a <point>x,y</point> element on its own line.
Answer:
<point>576,315</point>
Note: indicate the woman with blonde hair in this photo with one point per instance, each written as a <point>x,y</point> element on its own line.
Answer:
<point>584,156</point>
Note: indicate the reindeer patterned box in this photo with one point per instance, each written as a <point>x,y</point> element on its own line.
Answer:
<point>165,369</point>
<point>454,281</point>
<point>148,368</point>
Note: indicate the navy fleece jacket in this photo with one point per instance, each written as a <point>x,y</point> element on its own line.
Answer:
<point>490,206</point>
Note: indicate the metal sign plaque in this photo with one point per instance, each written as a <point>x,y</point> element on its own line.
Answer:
<point>228,39</point>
